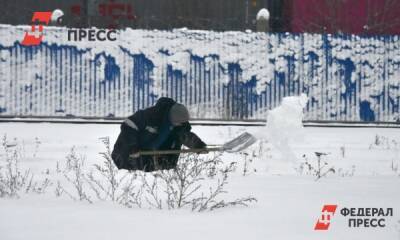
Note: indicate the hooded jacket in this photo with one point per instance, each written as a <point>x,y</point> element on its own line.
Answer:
<point>150,129</point>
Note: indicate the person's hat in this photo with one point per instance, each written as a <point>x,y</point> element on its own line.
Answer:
<point>178,114</point>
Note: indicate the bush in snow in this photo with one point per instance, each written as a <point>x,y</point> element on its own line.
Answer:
<point>319,168</point>
<point>385,143</point>
<point>74,173</point>
<point>102,182</point>
<point>13,180</point>
<point>248,159</point>
<point>382,142</point>
<point>196,183</point>
<point>395,167</point>
<point>111,184</point>
<point>347,172</point>
<point>186,185</point>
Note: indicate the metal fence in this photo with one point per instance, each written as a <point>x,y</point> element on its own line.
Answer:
<point>242,75</point>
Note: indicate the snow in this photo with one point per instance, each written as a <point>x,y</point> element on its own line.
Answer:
<point>285,124</point>
<point>289,203</point>
<point>284,127</point>
<point>263,14</point>
<point>58,13</point>
<point>288,209</point>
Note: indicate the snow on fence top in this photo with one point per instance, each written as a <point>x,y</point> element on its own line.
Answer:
<point>263,14</point>
<point>229,75</point>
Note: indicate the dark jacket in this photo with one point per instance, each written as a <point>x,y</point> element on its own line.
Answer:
<point>150,129</point>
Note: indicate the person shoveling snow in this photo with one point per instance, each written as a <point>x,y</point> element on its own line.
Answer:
<point>151,139</point>
<point>164,126</point>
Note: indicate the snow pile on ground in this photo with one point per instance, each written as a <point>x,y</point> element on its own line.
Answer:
<point>285,123</point>
<point>285,127</point>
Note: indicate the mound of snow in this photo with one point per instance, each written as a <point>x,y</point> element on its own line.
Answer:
<point>284,127</point>
<point>286,121</point>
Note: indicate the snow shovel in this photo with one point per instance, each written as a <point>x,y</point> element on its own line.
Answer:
<point>237,144</point>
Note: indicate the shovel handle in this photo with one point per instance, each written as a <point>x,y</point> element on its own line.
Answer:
<point>171,152</point>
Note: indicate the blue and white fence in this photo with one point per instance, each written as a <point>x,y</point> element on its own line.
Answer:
<point>224,75</point>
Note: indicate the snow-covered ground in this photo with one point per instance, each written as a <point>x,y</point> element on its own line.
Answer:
<point>366,163</point>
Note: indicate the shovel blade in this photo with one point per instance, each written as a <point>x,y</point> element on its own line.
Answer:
<point>239,143</point>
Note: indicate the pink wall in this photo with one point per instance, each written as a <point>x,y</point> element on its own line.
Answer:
<point>348,16</point>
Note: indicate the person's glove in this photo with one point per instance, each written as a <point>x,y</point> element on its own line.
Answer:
<point>135,154</point>
<point>205,151</point>
<point>134,161</point>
